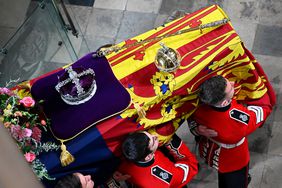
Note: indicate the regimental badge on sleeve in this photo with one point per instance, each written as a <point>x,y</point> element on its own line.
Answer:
<point>239,115</point>
<point>161,174</point>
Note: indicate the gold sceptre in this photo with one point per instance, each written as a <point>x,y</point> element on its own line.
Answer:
<point>115,48</point>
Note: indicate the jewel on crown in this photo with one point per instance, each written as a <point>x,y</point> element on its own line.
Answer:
<point>77,85</point>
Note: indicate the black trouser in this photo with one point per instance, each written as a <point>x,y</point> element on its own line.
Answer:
<point>236,179</point>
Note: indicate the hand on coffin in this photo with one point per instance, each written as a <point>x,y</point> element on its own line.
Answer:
<point>204,131</point>
<point>120,177</point>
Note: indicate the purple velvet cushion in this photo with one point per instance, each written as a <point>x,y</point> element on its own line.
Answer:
<point>68,120</point>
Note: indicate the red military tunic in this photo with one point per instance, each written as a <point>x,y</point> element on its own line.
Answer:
<point>160,172</point>
<point>229,151</point>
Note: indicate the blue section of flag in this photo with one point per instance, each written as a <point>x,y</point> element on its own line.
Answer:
<point>92,156</point>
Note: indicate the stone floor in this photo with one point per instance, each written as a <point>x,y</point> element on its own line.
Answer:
<point>259,24</point>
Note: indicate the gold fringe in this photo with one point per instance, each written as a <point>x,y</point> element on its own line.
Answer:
<point>66,157</point>
<point>140,111</point>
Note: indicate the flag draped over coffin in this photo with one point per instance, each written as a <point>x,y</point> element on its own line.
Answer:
<point>167,98</point>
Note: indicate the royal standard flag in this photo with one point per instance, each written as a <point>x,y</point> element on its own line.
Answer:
<point>159,101</point>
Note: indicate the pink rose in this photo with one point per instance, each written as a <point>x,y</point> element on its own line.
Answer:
<point>27,102</point>
<point>29,157</point>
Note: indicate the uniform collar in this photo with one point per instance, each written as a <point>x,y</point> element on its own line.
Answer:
<point>222,109</point>
<point>145,163</point>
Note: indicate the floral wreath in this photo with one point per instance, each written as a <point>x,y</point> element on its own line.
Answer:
<point>20,114</point>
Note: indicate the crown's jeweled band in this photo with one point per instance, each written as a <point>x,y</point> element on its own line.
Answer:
<point>82,95</point>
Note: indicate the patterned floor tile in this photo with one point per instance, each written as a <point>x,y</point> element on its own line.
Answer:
<point>276,139</point>
<point>81,14</point>
<point>247,10</point>
<point>94,42</point>
<point>246,33</point>
<point>270,12</point>
<point>272,172</point>
<point>149,6</point>
<point>169,6</point>
<point>110,4</point>
<point>268,40</point>
<point>135,23</point>
<point>104,23</point>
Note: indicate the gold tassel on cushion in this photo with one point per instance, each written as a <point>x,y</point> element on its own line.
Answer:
<point>66,157</point>
<point>140,111</point>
